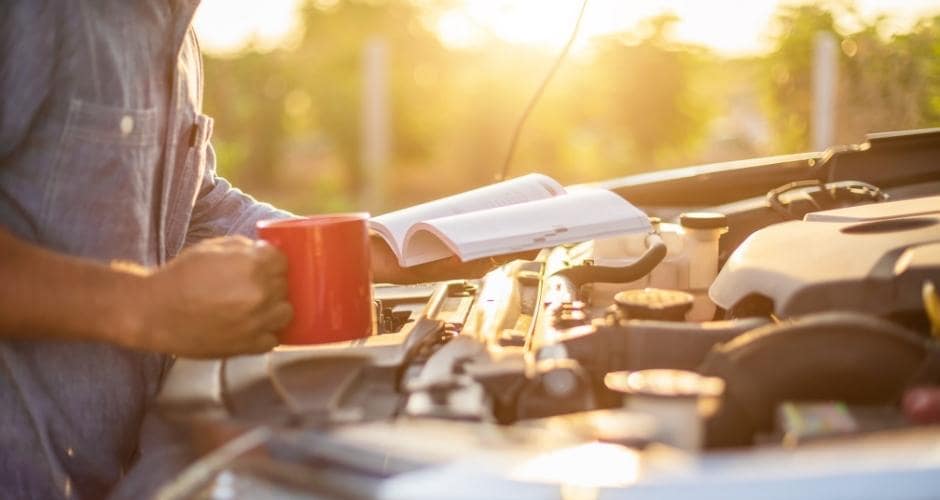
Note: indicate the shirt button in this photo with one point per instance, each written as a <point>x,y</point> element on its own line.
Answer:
<point>127,125</point>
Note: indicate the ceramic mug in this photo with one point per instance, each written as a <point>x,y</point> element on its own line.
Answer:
<point>329,277</point>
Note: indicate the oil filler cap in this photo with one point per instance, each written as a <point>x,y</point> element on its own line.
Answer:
<point>654,303</point>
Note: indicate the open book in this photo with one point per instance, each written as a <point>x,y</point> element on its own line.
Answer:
<point>524,213</point>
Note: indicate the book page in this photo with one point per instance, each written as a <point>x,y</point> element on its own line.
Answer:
<point>393,226</point>
<point>580,216</point>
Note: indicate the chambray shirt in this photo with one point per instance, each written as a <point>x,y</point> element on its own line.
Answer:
<point>104,154</point>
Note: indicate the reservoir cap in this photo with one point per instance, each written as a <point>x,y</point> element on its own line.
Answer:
<point>703,220</point>
<point>654,303</point>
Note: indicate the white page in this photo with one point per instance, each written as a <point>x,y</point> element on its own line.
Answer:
<point>580,216</point>
<point>393,226</point>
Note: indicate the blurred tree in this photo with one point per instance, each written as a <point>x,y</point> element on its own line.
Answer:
<point>306,97</point>
<point>923,46</point>
<point>649,107</point>
<point>288,121</point>
<point>788,72</point>
<point>884,83</point>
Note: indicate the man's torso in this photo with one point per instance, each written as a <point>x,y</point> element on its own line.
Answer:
<point>102,154</point>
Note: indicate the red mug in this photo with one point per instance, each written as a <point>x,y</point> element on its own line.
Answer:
<point>329,276</point>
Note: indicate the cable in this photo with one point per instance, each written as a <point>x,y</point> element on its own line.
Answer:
<point>538,93</point>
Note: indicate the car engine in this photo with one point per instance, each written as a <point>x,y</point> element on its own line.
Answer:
<point>760,340</point>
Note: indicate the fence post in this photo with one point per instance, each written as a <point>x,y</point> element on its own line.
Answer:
<point>375,134</point>
<point>825,78</point>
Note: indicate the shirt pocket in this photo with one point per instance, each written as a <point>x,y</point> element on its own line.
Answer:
<point>188,182</point>
<point>98,200</point>
<point>197,155</point>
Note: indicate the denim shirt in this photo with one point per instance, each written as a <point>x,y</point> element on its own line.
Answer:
<point>104,154</point>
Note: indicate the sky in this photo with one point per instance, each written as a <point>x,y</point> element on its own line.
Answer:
<point>731,27</point>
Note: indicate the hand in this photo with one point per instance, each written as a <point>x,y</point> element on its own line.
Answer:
<point>219,297</point>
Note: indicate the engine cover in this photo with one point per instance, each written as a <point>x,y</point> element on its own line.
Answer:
<point>872,258</point>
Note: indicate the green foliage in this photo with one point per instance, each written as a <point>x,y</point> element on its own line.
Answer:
<point>296,110</point>
<point>883,83</point>
<point>789,69</point>
<point>648,97</point>
<point>923,46</point>
<point>288,121</point>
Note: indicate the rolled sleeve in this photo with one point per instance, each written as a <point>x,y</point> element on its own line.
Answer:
<point>221,209</point>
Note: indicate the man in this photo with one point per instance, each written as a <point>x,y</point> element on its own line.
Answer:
<point>110,214</point>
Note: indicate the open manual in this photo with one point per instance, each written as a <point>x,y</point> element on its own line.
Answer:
<point>526,213</point>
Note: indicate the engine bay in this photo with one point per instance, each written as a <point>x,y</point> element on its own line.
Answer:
<point>742,344</point>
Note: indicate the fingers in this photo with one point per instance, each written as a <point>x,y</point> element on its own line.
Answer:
<point>272,318</point>
<point>264,329</point>
<point>235,299</point>
<point>278,287</point>
<point>273,265</point>
<point>265,342</point>
<point>275,293</point>
<point>272,260</point>
<point>279,316</point>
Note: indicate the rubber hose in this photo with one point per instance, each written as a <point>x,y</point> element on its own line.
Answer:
<point>585,273</point>
<point>844,356</point>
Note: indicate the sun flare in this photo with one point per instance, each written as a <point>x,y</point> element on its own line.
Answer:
<point>228,25</point>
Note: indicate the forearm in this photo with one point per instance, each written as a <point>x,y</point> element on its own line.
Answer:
<point>385,268</point>
<point>46,295</point>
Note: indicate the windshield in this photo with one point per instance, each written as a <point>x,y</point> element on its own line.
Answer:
<point>334,105</point>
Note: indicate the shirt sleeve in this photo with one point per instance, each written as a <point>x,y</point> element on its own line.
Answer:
<point>27,52</point>
<point>222,210</point>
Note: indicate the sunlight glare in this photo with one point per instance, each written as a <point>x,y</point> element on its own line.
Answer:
<point>730,27</point>
<point>706,23</point>
<point>535,22</point>
<point>226,26</point>
<point>524,21</point>
<point>457,30</point>
<point>591,464</point>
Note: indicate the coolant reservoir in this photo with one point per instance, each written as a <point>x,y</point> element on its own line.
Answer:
<point>691,262</point>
